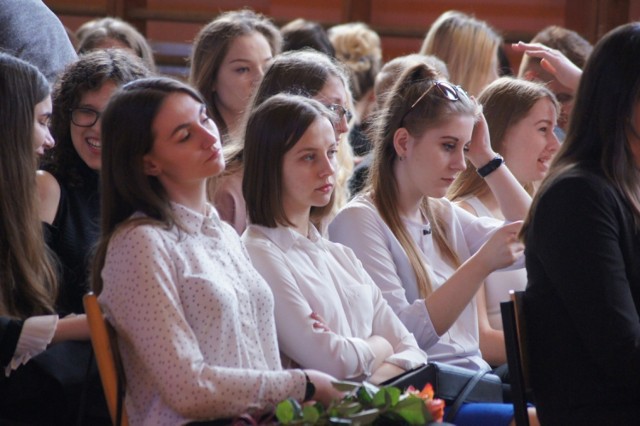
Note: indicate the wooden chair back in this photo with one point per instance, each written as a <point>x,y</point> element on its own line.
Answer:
<point>107,358</point>
<point>515,337</point>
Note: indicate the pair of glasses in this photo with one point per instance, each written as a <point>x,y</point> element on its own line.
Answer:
<point>84,117</point>
<point>445,89</point>
<point>340,111</point>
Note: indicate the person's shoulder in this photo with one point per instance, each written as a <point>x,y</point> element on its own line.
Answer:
<point>579,184</point>
<point>49,190</point>
<point>142,231</point>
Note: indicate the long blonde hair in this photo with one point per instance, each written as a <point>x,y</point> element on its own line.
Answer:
<point>397,112</point>
<point>468,46</point>
<point>504,102</point>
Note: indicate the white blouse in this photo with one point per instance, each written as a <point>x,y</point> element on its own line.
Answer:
<point>498,284</point>
<point>194,322</point>
<point>359,226</point>
<point>315,275</point>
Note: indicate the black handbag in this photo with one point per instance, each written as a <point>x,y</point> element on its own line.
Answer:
<point>456,385</point>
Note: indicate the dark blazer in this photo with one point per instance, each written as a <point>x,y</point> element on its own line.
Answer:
<point>582,303</point>
<point>9,334</point>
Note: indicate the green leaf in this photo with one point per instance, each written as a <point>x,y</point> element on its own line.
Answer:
<point>386,397</point>
<point>285,411</point>
<point>310,414</point>
<point>413,411</point>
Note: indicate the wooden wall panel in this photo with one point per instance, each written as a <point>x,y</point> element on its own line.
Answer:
<point>171,25</point>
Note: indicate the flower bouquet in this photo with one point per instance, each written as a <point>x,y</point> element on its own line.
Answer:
<point>366,404</point>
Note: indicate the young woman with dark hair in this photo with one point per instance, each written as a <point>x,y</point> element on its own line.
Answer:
<point>194,319</point>
<point>29,387</point>
<point>68,186</point>
<point>329,313</point>
<point>308,73</point>
<point>582,238</point>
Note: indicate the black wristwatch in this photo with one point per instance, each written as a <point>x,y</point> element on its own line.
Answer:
<point>310,390</point>
<point>488,168</point>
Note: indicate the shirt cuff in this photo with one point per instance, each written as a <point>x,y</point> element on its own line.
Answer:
<point>37,333</point>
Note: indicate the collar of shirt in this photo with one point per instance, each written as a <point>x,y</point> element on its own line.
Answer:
<point>285,237</point>
<point>193,222</point>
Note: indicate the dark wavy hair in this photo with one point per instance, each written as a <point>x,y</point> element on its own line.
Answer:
<point>89,73</point>
<point>28,283</point>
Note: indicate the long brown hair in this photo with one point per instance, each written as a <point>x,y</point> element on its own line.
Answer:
<point>212,44</point>
<point>504,102</point>
<point>430,112</point>
<point>28,283</point>
<point>300,72</point>
<point>273,129</point>
<point>127,135</point>
<point>607,97</point>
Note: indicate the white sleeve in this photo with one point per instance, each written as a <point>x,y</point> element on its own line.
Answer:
<point>406,353</point>
<point>37,332</point>
<point>476,231</point>
<point>339,356</point>
<point>361,229</point>
<point>143,301</point>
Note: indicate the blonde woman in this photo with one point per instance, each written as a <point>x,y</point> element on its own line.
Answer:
<point>468,46</point>
<point>521,116</point>
<point>428,256</point>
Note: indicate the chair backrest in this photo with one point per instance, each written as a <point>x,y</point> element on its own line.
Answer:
<point>107,358</point>
<point>515,338</point>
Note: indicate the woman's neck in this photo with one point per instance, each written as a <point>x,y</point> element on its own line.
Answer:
<point>300,220</point>
<point>194,197</point>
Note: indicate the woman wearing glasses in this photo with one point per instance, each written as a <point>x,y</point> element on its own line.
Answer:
<point>68,187</point>
<point>306,73</point>
<point>428,256</point>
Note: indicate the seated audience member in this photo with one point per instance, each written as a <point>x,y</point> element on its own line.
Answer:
<point>468,46</point>
<point>384,81</point>
<point>229,58</point>
<point>329,313</point>
<point>521,116</point>
<point>311,74</point>
<point>105,33</point>
<point>194,320</point>
<point>300,34</point>
<point>68,186</point>
<point>570,44</point>
<point>43,371</point>
<point>32,32</point>
<point>358,47</point>
<point>427,255</point>
<point>583,250</point>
